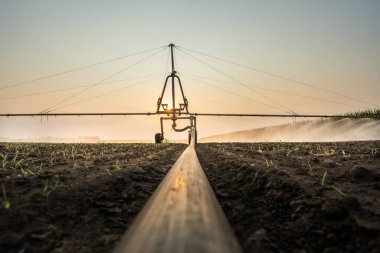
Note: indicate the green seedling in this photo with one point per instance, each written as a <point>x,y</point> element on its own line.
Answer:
<point>324,178</point>
<point>345,154</point>
<point>5,200</point>
<point>268,163</point>
<point>30,172</point>
<point>75,165</point>
<point>87,155</point>
<point>46,186</point>
<point>310,168</point>
<point>254,178</point>
<point>18,164</point>
<point>27,172</point>
<point>24,172</point>
<point>4,161</point>
<point>51,187</point>
<point>38,168</point>
<point>109,172</point>
<point>116,165</point>
<point>290,151</point>
<point>15,158</point>
<point>73,152</point>
<point>338,190</point>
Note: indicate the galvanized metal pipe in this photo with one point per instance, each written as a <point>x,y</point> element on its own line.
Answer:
<point>183,215</point>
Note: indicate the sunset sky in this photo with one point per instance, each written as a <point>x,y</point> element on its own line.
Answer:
<point>333,45</point>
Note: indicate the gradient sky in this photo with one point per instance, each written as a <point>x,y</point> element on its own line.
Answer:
<point>332,44</point>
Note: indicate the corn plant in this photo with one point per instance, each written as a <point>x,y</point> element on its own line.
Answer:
<point>51,160</point>
<point>73,152</point>
<point>310,168</point>
<point>116,166</point>
<point>38,168</point>
<point>15,158</point>
<point>26,172</point>
<point>109,172</point>
<point>51,187</point>
<point>345,155</point>
<point>338,190</point>
<point>87,155</point>
<point>333,186</point>
<point>5,200</point>
<point>4,161</point>
<point>324,178</point>
<point>17,165</point>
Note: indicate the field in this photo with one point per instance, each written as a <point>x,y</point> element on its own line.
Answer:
<point>278,197</point>
<point>76,197</point>
<point>298,197</point>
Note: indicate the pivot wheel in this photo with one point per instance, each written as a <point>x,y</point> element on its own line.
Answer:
<point>158,138</point>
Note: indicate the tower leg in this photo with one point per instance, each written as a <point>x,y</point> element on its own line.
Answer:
<point>193,124</point>
<point>196,131</point>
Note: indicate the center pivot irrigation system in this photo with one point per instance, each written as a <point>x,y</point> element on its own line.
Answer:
<point>179,109</point>
<point>174,113</point>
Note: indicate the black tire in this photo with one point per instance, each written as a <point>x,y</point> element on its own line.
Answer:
<point>158,138</point>
<point>195,136</point>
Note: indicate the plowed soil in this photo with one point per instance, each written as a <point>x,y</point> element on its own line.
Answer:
<point>278,197</point>
<point>298,197</point>
<point>76,197</point>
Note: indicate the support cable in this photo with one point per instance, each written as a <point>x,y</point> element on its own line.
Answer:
<point>103,94</point>
<point>73,88</point>
<point>234,93</point>
<point>78,68</point>
<point>100,82</point>
<point>280,77</point>
<point>240,83</point>
<point>278,91</point>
